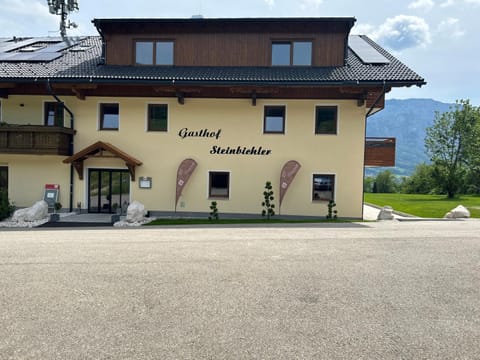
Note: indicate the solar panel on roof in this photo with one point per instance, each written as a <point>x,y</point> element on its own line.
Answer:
<point>35,49</point>
<point>45,56</point>
<point>366,52</point>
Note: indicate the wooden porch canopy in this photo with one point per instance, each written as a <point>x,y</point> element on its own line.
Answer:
<point>97,150</point>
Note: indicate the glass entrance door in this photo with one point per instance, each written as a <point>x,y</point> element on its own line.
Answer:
<point>108,190</point>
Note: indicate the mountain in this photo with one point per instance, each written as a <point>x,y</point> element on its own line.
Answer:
<point>406,120</point>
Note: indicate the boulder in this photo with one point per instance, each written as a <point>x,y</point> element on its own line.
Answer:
<point>458,213</point>
<point>38,211</point>
<point>386,213</point>
<point>135,212</point>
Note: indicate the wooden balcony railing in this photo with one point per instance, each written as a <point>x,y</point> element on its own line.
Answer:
<point>379,151</point>
<point>35,139</point>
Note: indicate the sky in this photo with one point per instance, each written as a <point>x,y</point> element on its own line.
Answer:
<point>439,39</point>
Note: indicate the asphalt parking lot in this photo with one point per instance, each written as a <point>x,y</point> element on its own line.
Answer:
<point>388,290</point>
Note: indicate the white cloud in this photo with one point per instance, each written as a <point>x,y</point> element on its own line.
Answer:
<point>403,32</point>
<point>363,29</point>
<point>19,16</point>
<point>447,3</point>
<point>310,4</point>
<point>270,3</point>
<point>451,28</point>
<point>422,4</point>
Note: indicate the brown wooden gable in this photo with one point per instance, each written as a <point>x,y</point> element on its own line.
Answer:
<point>98,148</point>
<point>226,42</point>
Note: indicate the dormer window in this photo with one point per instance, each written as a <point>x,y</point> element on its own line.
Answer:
<point>154,53</point>
<point>288,53</point>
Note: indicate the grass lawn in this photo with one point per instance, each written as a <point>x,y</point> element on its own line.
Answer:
<point>432,206</point>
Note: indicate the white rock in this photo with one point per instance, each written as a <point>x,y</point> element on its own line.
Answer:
<point>459,212</point>
<point>135,212</point>
<point>386,213</point>
<point>37,212</point>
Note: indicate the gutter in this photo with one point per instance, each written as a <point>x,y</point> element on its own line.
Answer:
<point>177,81</point>
<point>70,150</point>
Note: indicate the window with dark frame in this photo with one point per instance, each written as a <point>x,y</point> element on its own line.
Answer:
<point>4,178</point>
<point>326,118</point>
<point>154,52</point>
<point>157,117</point>
<point>292,53</point>
<point>53,114</point>
<point>323,187</point>
<point>109,116</point>
<point>274,120</point>
<point>219,184</point>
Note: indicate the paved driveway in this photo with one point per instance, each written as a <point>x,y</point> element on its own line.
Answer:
<point>390,290</point>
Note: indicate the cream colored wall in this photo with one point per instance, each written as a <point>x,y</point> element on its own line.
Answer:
<point>241,124</point>
<point>27,176</point>
<point>28,110</point>
<point>161,153</point>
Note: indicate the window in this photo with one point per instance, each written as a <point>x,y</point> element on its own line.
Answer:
<point>154,53</point>
<point>53,114</point>
<point>157,117</point>
<point>109,116</point>
<point>219,184</point>
<point>326,120</point>
<point>4,178</point>
<point>286,53</point>
<point>323,187</point>
<point>274,120</point>
<point>1,119</point>
<point>144,53</point>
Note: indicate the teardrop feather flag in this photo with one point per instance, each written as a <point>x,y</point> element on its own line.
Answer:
<point>185,169</point>
<point>287,175</point>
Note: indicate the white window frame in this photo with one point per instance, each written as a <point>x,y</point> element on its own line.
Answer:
<point>335,180</point>
<point>213,198</point>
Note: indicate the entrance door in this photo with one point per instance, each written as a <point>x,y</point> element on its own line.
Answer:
<point>108,190</point>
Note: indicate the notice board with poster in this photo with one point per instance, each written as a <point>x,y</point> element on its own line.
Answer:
<point>51,194</point>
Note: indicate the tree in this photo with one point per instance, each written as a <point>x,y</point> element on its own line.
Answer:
<point>421,181</point>
<point>453,144</point>
<point>385,182</point>
<point>368,182</point>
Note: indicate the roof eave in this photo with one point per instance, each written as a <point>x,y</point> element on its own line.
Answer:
<point>176,81</point>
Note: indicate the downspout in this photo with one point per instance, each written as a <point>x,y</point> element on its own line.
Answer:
<point>70,150</point>
<point>369,112</point>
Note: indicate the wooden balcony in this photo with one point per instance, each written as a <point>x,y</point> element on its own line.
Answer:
<point>35,139</point>
<point>379,151</point>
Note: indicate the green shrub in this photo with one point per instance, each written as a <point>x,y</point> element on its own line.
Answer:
<point>332,213</point>
<point>214,212</point>
<point>267,201</point>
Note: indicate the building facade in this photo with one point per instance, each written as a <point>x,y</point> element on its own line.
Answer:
<point>177,113</point>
